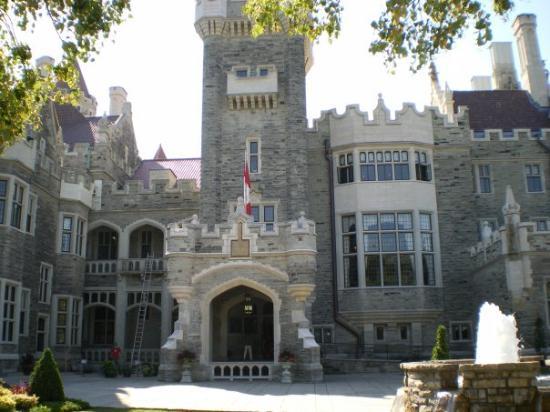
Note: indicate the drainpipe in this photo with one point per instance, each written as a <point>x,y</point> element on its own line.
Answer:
<point>339,319</point>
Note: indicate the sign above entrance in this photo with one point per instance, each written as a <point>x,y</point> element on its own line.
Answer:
<point>240,247</point>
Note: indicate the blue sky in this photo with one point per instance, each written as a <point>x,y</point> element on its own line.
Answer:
<point>157,57</point>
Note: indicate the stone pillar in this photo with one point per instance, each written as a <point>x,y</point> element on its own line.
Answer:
<point>169,369</point>
<point>120,315</point>
<point>166,312</point>
<point>309,366</point>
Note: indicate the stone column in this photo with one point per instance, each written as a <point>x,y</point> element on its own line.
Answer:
<point>166,312</point>
<point>120,316</point>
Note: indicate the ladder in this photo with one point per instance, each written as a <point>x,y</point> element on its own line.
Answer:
<point>144,297</point>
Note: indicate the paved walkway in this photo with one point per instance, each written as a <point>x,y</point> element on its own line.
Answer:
<point>365,393</point>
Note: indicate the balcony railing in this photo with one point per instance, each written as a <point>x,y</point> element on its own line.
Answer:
<point>136,265</point>
<point>241,370</point>
<point>102,354</point>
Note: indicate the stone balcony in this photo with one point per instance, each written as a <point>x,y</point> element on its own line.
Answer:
<point>131,265</point>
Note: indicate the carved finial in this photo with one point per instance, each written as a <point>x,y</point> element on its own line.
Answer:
<point>302,220</point>
<point>486,232</point>
<point>510,206</point>
<point>195,220</point>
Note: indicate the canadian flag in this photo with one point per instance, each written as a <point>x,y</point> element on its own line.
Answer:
<point>246,194</point>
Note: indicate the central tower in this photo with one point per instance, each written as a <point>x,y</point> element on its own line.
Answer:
<point>254,107</point>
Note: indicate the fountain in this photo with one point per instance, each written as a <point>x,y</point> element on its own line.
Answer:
<point>497,340</point>
<point>497,380</point>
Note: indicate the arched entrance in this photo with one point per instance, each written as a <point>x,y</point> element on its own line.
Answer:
<point>242,326</point>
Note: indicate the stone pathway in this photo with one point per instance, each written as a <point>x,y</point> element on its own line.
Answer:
<point>366,393</point>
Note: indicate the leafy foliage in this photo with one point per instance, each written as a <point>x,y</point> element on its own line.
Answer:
<point>45,381</point>
<point>109,369</point>
<point>440,350</point>
<point>24,402</point>
<point>82,26</point>
<point>413,29</point>
<point>7,404</point>
<point>40,408</point>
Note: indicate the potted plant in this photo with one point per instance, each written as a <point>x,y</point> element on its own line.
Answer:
<point>186,358</point>
<point>286,359</point>
<point>109,369</point>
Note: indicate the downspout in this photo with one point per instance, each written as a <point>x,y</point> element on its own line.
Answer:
<point>339,319</point>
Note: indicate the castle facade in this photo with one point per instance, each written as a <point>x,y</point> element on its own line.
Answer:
<point>366,231</point>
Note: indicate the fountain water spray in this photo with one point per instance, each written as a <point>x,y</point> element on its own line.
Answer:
<point>497,340</point>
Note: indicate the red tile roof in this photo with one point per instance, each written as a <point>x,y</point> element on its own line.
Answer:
<point>502,109</point>
<point>76,127</point>
<point>182,168</point>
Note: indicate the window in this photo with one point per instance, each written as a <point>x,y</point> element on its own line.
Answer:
<point>31,210</point>
<point>42,332</point>
<point>264,214</point>
<point>388,239</point>
<point>66,234</point>
<point>404,332</point>
<point>79,236</point>
<point>426,236</point>
<point>3,196</point>
<point>345,168</point>
<point>103,325</point>
<point>384,166</point>
<point>68,311</point>
<point>479,134</point>
<point>484,175</point>
<point>264,72</point>
<point>8,312</point>
<point>422,167</point>
<point>542,225</point>
<point>44,291</point>
<point>24,312</point>
<point>507,134</point>
<point>323,334</point>
<point>17,205</point>
<point>536,134</point>
<point>146,243</point>
<point>241,73</point>
<point>379,331</point>
<point>351,279</point>
<point>461,331</point>
<point>254,156</point>
<point>533,174</point>
<point>107,242</point>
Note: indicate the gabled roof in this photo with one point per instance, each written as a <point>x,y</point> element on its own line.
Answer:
<point>502,109</point>
<point>76,127</point>
<point>189,169</point>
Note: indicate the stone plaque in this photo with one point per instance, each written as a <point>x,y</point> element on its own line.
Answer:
<point>240,247</point>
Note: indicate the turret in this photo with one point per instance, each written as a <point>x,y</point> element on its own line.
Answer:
<point>117,97</point>
<point>504,71</point>
<point>533,74</point>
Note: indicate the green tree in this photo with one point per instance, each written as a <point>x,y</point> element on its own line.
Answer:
<point>440,350</point>
<point>45,381</point>
<point>414,29</point>
<point>82,26</point>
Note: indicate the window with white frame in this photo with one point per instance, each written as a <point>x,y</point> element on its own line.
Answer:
<point>67,320</point>
<point>3,200</point>
<point>423,167</point>
<point>264,214</point>
<point>484,179</point>
<point>508,134</point>
<point>67,234</point>
<point>349,248</point>
<point>45,287</point>
<point>461,331</point>
<point>9,310</point>
<point>426,238</point>
<point>533,175</point>
<point>323,334</point>
<point>42,327</point>
<point>478,134</point>
<point>536,134</point>
<point>344,168</point>
<point>384,165</point>
<point>79,237</point>
<point>542,224</point>
<point>253,151</point>
<point>17,205</point>
<point>31,213</point>
<point>24,312</point>
<point>73,234</point>
<point>388,240</point>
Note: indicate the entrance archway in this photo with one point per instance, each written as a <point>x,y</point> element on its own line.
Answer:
<point>242,326</point>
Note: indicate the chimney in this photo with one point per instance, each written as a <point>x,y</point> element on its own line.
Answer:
<point>533,76</point>
<point>43,62</point>
<point>117,96</point>
<point>504,72</point>
<point>481,83</point>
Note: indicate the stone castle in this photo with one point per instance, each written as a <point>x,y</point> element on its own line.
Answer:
<point>366,232</point>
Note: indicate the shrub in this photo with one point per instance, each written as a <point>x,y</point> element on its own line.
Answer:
<point>5,391</point>
<point>69,406</point>
<point>24,402</point>
<point>41,408</point>
<point>83,404</point>
<point>7,404</point>
<point>109,369</point>
<point>440,350</point>
<point>45,381</point>
<point>22,388</point>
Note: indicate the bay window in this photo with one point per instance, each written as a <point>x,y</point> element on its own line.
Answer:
<point>17,205</point>
<point>426,236</point>
<point>73,234</point>
<point>422,167</point>
<point>68,316</point>
<point>384,165</point>
<point>345,168</point>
